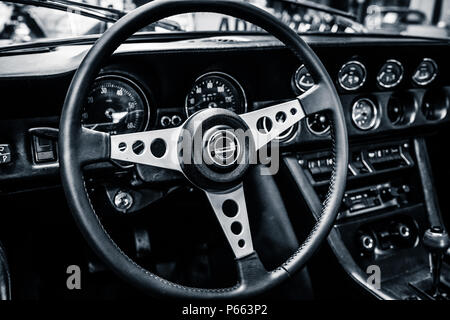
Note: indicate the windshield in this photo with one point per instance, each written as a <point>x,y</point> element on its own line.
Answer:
<point>30,20</point>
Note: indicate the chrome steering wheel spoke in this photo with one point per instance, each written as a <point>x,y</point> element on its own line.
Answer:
<point>158,148</point>
<point>268,123</point>
<point>231,211</point>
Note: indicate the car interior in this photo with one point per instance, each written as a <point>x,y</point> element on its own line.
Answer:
<point>99,170</point>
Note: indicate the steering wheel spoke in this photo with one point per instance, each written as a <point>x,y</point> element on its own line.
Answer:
<point>94,146</point>
<point>317,99</point>
<point>231,211</point>
<point>268,123</point>
<point>158,148</point>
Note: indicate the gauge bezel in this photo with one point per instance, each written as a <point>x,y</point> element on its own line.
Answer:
<point>317,133</point>
<point>294,79</point>
<point>135,86</point>
<point>432,78</point>
<point>402,74</point>
<point>287,137</point>
<point>222,75</point>
<point>363,80</point>
<point>411,108</point>
<point>376,119</point>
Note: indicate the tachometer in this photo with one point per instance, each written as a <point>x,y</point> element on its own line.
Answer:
<point>365,114</point>
<point>390,74</point>
<point>216,90</point>
<point>116,105</point>
<point>426,72</point>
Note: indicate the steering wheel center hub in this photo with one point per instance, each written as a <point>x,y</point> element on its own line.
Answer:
<point>215,145</point>
<point>222,148</point>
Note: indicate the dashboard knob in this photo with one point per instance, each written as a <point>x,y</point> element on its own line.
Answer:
<point>367,243</point>
<point>403,231</point>
<point>176,120</point>
<point>123,201</point>
<point>165,121</point>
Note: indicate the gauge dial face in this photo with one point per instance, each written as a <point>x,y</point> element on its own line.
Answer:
<point>352,75</point>
<point>115,105</point>
<point>390,74</point>
<point>426,72</point>
<point>318,123</point>
<point>216,90</point>
<point>303,79</point>
<point>396,110</point>
<point>364,114</point>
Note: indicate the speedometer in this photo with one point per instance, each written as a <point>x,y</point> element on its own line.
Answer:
<point>116,105</point>
<point>216,90</point>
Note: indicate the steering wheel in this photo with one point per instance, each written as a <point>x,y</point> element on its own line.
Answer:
<point>217,164</point>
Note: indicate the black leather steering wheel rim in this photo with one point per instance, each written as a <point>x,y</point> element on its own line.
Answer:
<point>75,151</point>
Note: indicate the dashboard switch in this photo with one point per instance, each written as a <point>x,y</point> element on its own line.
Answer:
<point>5,154</point>
<point>44,150</point>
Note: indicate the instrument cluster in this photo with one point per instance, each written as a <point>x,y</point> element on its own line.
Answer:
<point>119,103</point>
<point>365,111</point>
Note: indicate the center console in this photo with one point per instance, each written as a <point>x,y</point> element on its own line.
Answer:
<point>386,210</point>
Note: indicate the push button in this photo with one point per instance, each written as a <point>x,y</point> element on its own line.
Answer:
<point>5,154</point>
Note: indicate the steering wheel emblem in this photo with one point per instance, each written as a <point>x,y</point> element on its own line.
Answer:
<point>223,148</point>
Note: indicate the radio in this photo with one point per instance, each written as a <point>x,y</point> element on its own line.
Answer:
<point>377,197</point>
<point>362,162</point>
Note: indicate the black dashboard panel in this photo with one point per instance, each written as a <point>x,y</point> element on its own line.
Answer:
<point>166,72</point>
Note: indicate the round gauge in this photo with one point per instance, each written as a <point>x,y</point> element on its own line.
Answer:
<point>116,105</point>
<point>216,90</point>
<point>390,74</point>
<point>426,72</point>
<point>352,75</point>
<point>318,123</point>
<point>302,79</point>
<point>401,108</point>
<point>435,104</point>
<point>364,114</point>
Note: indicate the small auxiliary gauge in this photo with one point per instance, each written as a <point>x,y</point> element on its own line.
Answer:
<point>302,79</point>
<point>352,75</point>
<point>426,72</point>
<point>365,114</point>
<point>390,74</point>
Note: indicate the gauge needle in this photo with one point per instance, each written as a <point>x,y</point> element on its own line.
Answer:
<point>117,116</point>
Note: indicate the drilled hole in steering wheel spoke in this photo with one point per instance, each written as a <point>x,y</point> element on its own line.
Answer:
<point>230,208</point>
<point>264,125</point>
<point>158,148</point>
<point>138,147</point>
<point>236,228</point>
<point>280,117</point>
<point>122,147</point>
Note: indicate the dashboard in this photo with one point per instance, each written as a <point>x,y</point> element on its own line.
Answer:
<point>391,93</point>
<point>394,92</point>
<point>147,86</point>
